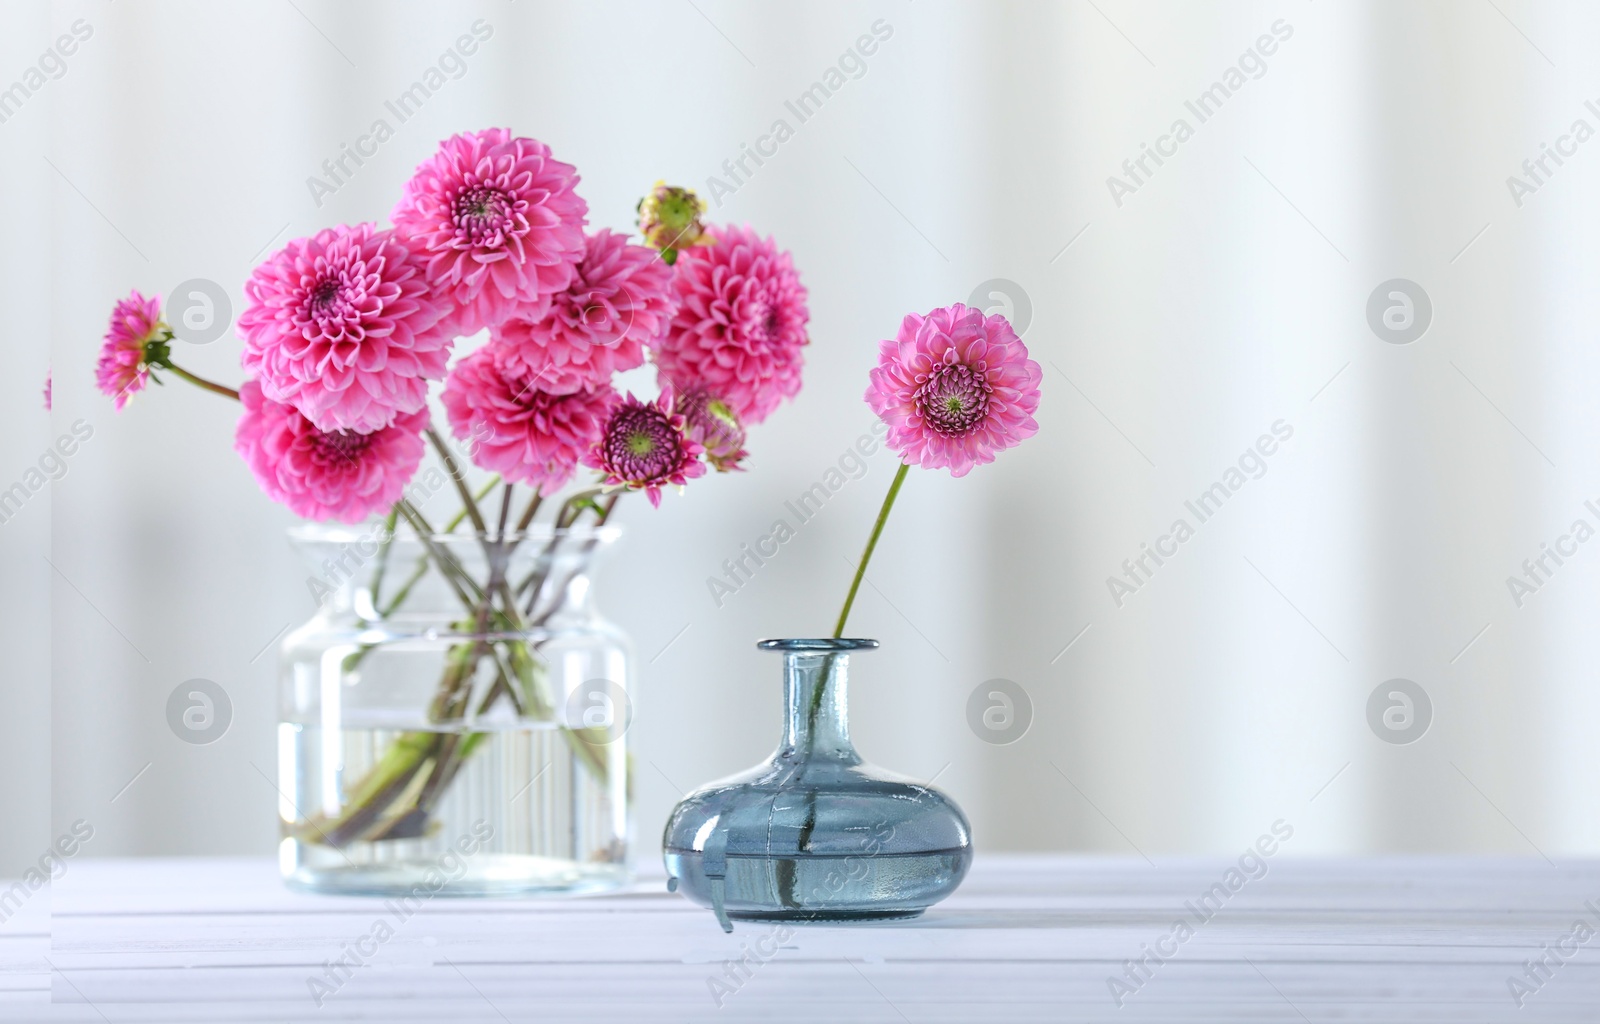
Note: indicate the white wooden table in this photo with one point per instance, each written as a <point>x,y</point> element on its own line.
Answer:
<point>1026,938</point>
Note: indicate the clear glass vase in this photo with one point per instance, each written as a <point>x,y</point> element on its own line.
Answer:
<point>453,718</point>
<point>816,834</point>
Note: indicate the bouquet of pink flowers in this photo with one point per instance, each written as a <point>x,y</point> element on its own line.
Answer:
<point>346,331</point>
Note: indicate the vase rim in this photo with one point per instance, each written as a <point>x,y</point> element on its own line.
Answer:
<point>823,644</point>
<point>335,533</point>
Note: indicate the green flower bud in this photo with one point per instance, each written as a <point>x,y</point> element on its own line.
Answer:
<point>669,220</point>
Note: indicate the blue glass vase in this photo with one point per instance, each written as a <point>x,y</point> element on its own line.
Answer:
<point>815,833</point>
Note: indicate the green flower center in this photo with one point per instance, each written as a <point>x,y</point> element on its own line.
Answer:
<point>954,400</point>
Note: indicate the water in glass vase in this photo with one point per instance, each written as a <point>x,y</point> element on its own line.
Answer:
<point>816,833</point>
<point>456,723</point>
<point>886,887</point>
<point>523,814</point>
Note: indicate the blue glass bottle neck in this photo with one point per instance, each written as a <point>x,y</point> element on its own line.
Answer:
<point>816,707</point>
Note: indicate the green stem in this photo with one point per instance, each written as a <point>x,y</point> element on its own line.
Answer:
<point>872,542</point>
<point>452,571</point>
<point>460,480</point>
<point>528,513</point>
<point>844,615</point>
<point>505,513</point>
<point>397,797</point>
<point>200,382</point>
<point>383,786</point>
<point>382,567</point>
<point>488,488</point>
<point>404,592</point>
<point>574,506</point>
<point>537,580</point>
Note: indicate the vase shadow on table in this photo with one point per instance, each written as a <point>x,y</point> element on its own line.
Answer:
<point>1022,918</point>
<point>982,920</point>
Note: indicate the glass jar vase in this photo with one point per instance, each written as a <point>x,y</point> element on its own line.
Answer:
<point>815,833</point>
<point>453,718</point>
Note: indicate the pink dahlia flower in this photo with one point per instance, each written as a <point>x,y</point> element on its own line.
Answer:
<point>617,304</point>
<point>341,326</point>
<point>645,447</point>
<point>711,424</point>
<point>500,225</point>
<point>123,370</point>
<point>955,387</point>
<point>524,433</point>
<point>740,324</point>
<point>326,474</point>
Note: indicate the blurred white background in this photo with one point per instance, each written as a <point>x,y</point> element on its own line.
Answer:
<point>1227,292</point>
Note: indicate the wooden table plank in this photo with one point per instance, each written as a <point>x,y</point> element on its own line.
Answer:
<point>24,947</point>
<point>1025,939</point>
